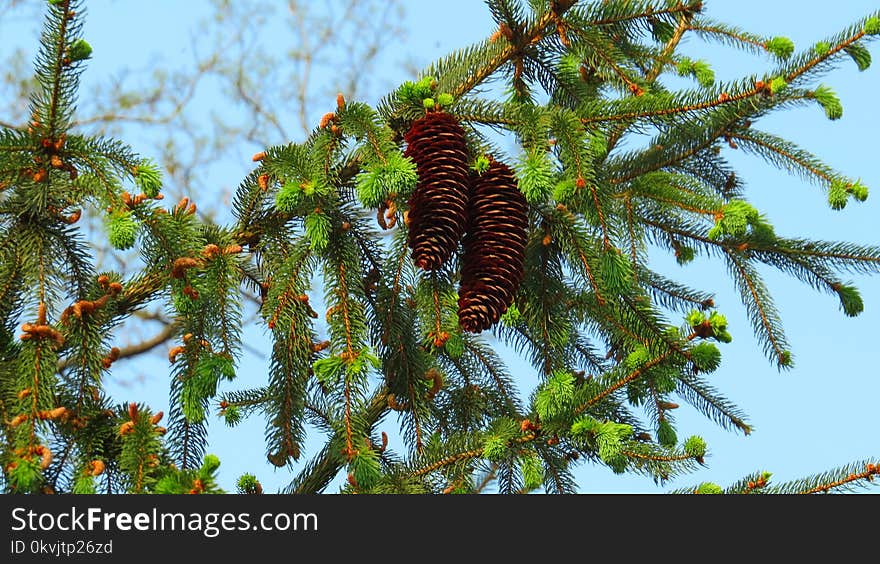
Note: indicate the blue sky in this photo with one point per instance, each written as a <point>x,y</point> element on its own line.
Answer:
<point>815,417</point>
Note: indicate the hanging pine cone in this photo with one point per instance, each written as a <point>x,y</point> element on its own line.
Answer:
<point>494,248</point>
<point>437,216</point>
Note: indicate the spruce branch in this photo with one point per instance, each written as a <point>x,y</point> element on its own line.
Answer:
<point>855,477</point>
<point>707,400</point>
<point>711,30</point>
<point>786,155</point>
<point>813,62</point>
<point>608,14</point>
<point>626,379</point>
<point>682,27</point>
<point>532,34</point>
<point>327,463</point>
<point>762,312</point>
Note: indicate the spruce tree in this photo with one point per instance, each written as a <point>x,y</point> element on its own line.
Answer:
<point>408,234</point>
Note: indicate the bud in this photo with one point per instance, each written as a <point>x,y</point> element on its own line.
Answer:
<point>45,456</point>
<point>96,467</point>
<point>79,50</point>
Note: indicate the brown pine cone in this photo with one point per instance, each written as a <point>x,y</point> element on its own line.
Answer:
<point>494,248</point>
<point>437,216</point>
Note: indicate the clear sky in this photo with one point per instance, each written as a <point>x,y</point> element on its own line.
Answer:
<point>820,415</point>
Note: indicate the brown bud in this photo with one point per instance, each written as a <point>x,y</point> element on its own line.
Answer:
<point>340,101</point>
<point>172,354</point>
<point>563,36</point>
<point>210,251</point>
<point>198,486</point>
<point>45,456</point>
<point>437,381</point>
<point>440,338</point>
<point>505,31</point>
<point>73,217</point>
<point>154,420</point>
<point>259,156</point>
<point>380,218</point>
<point>181,265</point>
<point>96,467</point>
<point>18,420</point>
<point>393,404</point>
<point>636,89</point>
<point>126,428</point>
<point>326,119</point>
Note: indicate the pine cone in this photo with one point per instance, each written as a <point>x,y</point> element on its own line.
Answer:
<point>494,248</point>
<point>437,216</point>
